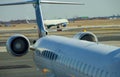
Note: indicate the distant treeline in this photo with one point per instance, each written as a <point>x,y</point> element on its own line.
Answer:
<point>70,19</point>
<point>93,18</point>
<point>18,22</point>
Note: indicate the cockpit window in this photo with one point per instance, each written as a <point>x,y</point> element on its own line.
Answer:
<point>50,55</point>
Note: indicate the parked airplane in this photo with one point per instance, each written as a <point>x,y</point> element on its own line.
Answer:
<point>57,22</point>
<point>66,57</point>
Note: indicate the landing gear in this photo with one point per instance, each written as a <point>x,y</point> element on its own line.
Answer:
<point>58,28</point>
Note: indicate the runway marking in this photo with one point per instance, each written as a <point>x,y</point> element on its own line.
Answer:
<point>3,49</point>
<point>25,60</point>
<point>14,67</point>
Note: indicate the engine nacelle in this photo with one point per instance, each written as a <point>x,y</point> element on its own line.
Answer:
<point>88,36</point>
<point>18,45</point>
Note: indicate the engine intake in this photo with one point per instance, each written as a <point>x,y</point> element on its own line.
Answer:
<point>18,45</point>
<point>88,36</point>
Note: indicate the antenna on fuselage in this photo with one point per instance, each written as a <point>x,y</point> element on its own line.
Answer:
<point>39,18</point>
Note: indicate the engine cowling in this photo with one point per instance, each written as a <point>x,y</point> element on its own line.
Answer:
<point>18,45</point>
<point>88,36</point>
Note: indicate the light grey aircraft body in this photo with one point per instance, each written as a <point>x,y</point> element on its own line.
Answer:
<point>77,58</point>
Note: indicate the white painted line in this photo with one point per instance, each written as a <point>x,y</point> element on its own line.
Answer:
<point>3,49</point>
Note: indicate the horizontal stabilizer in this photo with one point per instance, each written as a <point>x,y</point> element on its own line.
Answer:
<point>59,2</point>
<point>43,2</point>
<point>18,3</point>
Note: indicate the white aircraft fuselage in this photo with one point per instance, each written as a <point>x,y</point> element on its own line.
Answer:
<point>67,57</point>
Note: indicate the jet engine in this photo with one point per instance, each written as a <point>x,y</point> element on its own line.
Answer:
<point>88,36</point>
<point>18,45</point>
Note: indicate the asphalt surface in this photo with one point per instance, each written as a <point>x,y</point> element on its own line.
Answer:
<point>24,66</point>
<point>18,66</point>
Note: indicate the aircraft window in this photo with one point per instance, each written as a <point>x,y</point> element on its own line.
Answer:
<point>43,53</point>
<point>55,56</point>
<point>98,73</point>
<point>49,55</point>
<point>103,73</point>
<point>82,66</point>
<point>95,72</point>
<point>71,63</point>
<point>46,53</point>
<point>107,74</point>
<point>78,64</point>
<point>65,59</point>
<point>60,58</point>
<point>68,63</point>
<point>74,64</point>
<point>86,69</point>
<point>90,70</point>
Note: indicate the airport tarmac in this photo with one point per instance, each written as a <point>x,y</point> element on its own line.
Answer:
<point>24,66</point>
<point>18,67</point>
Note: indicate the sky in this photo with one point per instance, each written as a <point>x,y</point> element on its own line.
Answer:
<point>92,8</point>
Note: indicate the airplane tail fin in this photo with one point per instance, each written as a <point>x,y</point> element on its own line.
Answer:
<point>38,11</point>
